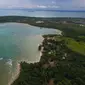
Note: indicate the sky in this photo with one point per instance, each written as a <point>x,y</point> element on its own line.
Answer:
<point>44,4</point>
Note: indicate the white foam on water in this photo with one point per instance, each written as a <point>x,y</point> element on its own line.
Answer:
<point>9,62</point>
<point>1,59</point>
<point>2,25</point>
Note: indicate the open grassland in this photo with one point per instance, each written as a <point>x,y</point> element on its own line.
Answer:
<point>77,46</point>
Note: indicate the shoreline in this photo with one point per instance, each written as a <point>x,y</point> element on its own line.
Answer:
<point>56,55</point>
<point>17,73</point>
<point>64,62</point>
<point>61,23</point>
<point>41,54</point>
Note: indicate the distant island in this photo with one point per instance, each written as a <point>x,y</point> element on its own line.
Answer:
<point>63,56</point>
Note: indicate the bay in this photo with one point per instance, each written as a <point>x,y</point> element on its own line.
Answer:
<point>19,42</point>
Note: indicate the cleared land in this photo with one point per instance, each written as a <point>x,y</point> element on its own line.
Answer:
<point>77,46</point>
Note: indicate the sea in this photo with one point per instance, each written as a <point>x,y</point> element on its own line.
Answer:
<point>19,42</point>
<point>41,13</point>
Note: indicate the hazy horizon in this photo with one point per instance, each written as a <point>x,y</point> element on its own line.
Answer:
<point>45,4</point>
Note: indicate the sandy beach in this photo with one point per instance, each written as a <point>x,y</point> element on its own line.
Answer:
<point>16,74</point>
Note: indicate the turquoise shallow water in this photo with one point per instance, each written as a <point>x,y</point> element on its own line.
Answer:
<point>18,42</point>
<point>12,35</point>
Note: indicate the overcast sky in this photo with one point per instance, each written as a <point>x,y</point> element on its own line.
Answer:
<point>55,4</point>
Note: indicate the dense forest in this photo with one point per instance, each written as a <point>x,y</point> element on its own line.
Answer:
<point>58,65</point>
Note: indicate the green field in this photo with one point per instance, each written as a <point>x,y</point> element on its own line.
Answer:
<point>75,45</point>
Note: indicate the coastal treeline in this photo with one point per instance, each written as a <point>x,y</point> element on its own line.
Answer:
<point>71,27</point>
<point>59,65</point>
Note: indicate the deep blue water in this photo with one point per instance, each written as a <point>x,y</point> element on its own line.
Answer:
<point>43,13</point>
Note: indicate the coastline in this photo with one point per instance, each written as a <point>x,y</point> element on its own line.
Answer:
<point>59,60</point>
<point>55,56</point>
<point>17,73</point>
<point>41,54</point>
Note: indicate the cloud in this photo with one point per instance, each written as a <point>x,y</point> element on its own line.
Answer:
<point>28,4</point>
<point>61,4</point>
<point>53,2</point>
<point>54,6</point>
<point>48,6</point>
<point>79,3</point>
<point>14,3</point>
<point>41,6</point>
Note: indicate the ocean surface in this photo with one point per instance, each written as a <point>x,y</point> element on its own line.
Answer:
<point>43,13</point>
<point>19,42</point>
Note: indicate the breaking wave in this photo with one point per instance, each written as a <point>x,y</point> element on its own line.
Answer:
<point>1,59</point>
<point>9,62</point>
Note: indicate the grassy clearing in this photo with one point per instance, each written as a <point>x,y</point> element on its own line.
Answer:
<point>73,44</point>
<point>76,46</point>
